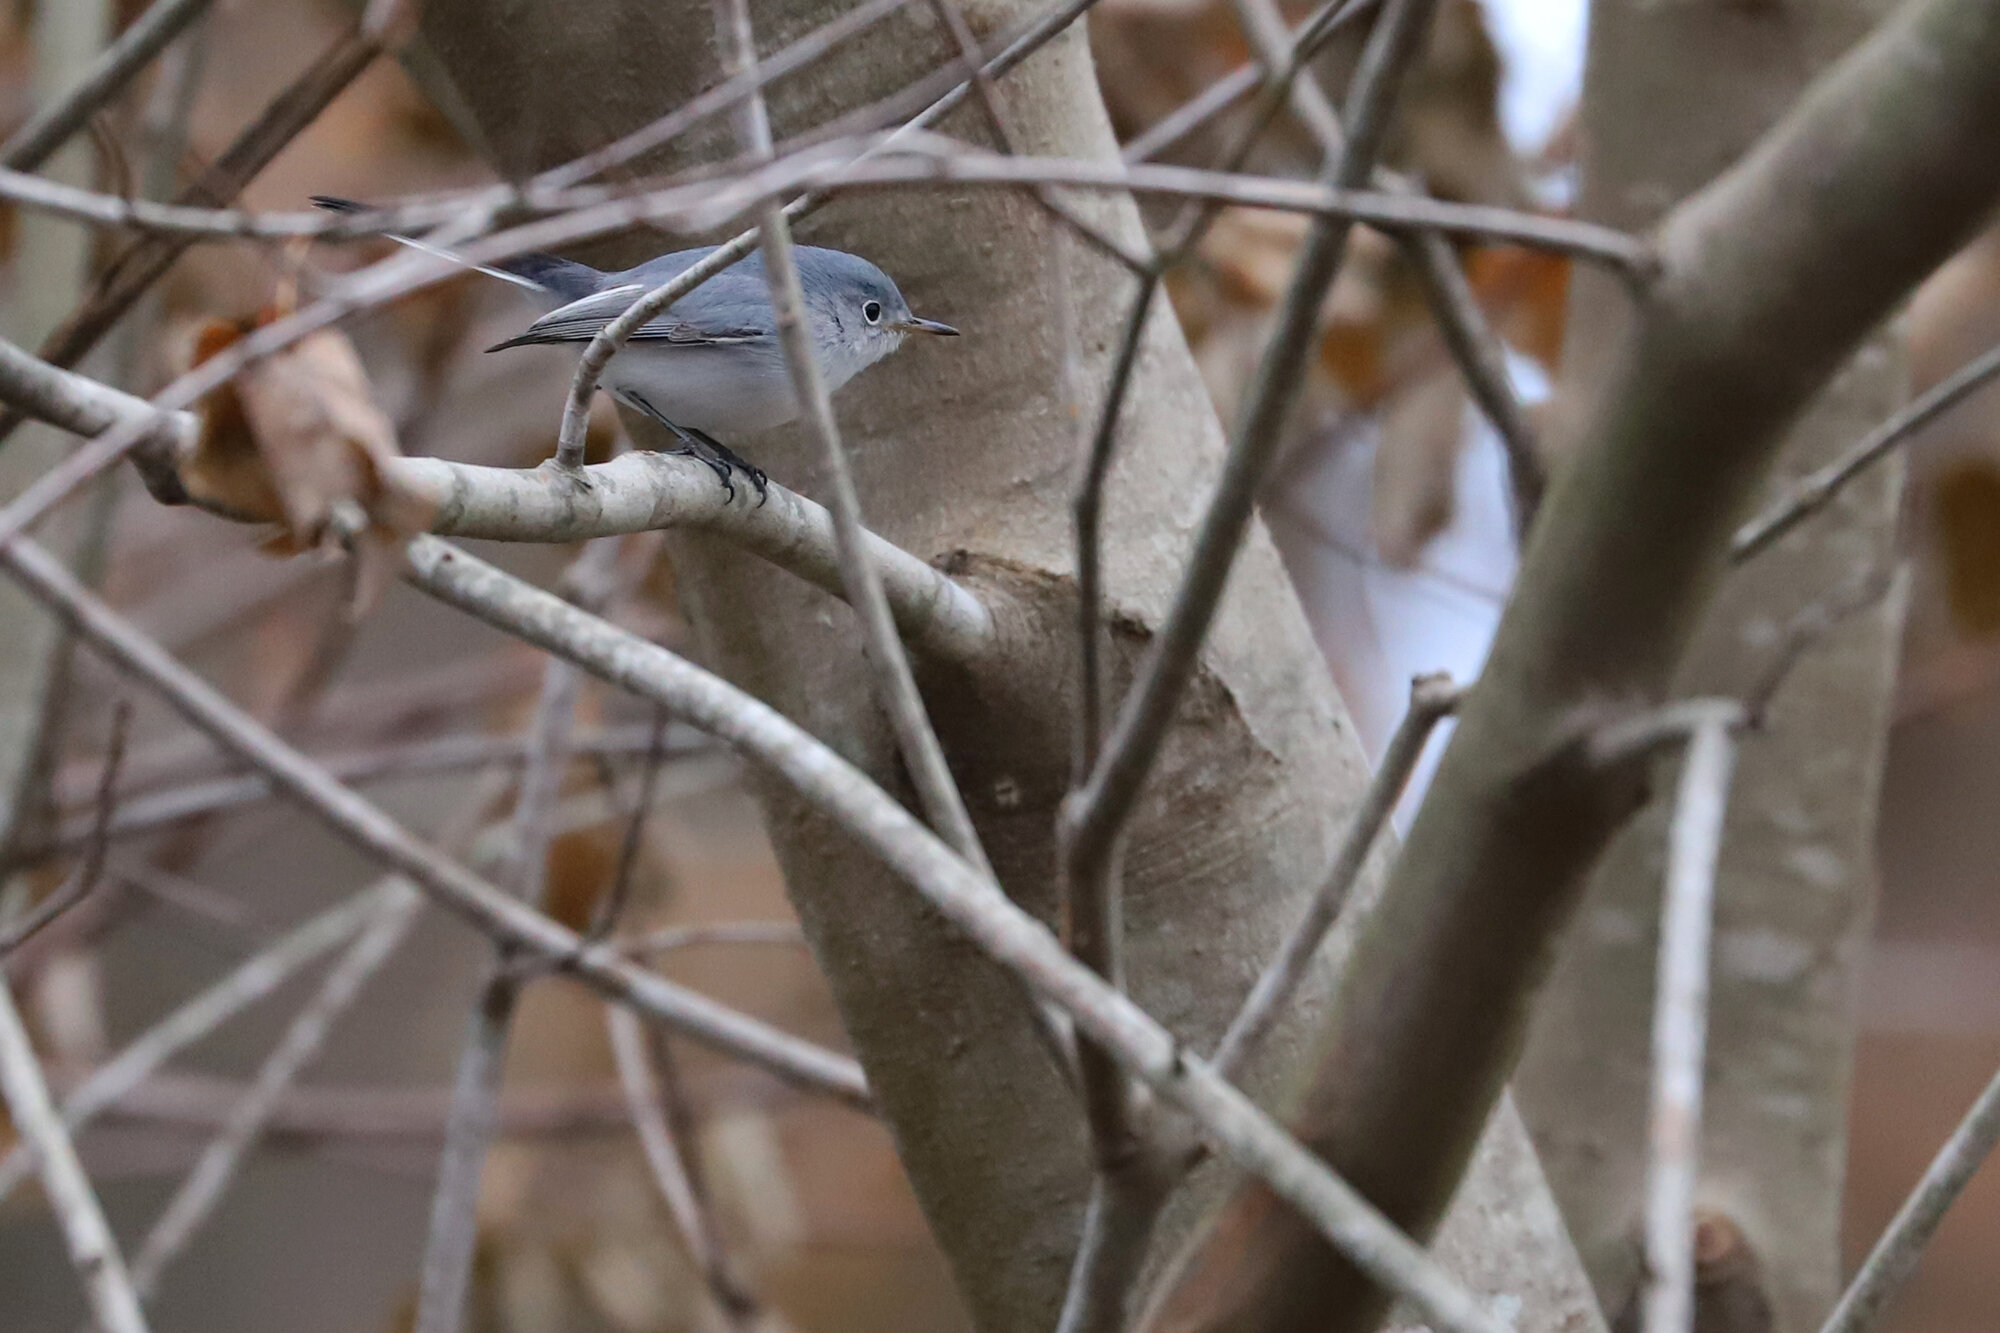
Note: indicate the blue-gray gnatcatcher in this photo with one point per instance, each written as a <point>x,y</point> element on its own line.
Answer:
<point>710,365</point>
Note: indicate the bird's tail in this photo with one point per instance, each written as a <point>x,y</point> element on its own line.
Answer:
<point>536,271</point>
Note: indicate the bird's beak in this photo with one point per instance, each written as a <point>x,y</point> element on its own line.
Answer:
<point>915,325</point>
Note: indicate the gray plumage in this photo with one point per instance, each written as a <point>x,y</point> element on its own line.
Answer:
<point>710,366</point>
<point>711,363</point>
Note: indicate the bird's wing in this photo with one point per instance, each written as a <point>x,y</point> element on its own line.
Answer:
<point>580,320</point>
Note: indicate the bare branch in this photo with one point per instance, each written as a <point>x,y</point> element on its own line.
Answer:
<point>1902,1245</point>
<point>990,920</point>
<point>1757,303</point>
<point>1118,1225</point>
<point>604,917</point>
<point>450,754</point>
<point>373,832</point>
<point>1482,359</point>
<point>609,340</point>
<point>286,116</point>
<point>735,87</point>
<point>1472,343</point>
<point>848,166</point>
<point>1811,494</point>
<point>669,938</point>
<point>44,132</point>
<point>85,877</point>
<point>194,1203</point>
<point>667,1154</point>
<point>1094,815</point>
<point>244,985</point>
<point>1680,1025</point>
<point>93,1250</point>
<point>1390,212</point>
<point>895,685</point>
<point>446,1272</point>
<point>636,492</point>
<point>1432,699</point>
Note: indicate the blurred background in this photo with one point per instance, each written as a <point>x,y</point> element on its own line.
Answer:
<point>1390,509</point>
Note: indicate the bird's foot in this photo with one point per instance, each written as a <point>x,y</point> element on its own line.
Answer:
<point>730,458</point>
<point>720,468</point>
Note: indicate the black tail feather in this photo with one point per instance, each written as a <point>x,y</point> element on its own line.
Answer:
<point>564,277</point>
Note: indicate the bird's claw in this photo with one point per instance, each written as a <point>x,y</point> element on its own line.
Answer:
<point>715,465</point>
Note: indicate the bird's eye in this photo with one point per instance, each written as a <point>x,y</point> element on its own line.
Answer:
<point>872,311</point>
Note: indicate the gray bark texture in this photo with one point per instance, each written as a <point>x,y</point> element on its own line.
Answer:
<point>1770,279</point>
<point>1795,884</point>
<point>966,452</point>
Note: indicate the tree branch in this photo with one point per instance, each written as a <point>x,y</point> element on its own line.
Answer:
<point>1757,302</point>
<point>244,985</point>
<point>1815,492</point>
<point>1680,1021</point>
<point>465,893</point>
<point>44,132</point>
<point>989,919</point>
<point>92,1248</point>
<point>636,492</point>
<point>194,1202</point>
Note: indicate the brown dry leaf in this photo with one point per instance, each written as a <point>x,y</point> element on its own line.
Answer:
<point>297,439</point>
<point>1526,294</point>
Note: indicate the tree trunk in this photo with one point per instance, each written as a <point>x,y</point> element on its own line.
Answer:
<point>966,451</point>
<point>1796,879</point>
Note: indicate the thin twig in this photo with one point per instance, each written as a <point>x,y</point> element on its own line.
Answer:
<point>93,1250</point>
<point>1432,698</point>
<point>322,1112</point>
<point>1118,1224</point>
<point>1135,1178</point>
<point>1482,359</point>
<point>639,491</point>
<point>1810,626</point>
<point>612,905</point>
<point>848,166</point>
<point>282,120</point>
<point>1902,1245</point>
<point>195,1202</point>
<point>1095,815</point>
<point>446,1273</point>
<point>362,824</point>
<point>244,985</point>
<point>450,754</point>
<point>735,87</point>
<point>1814,492</point>
<point>32,144</point>
<point>669,938</point>
<point>667,1155</point>
<point>1680,1026</point>
<point>608,341</point>
<point>989,919</point>
<point>86,876</point>
<point>895,684</point>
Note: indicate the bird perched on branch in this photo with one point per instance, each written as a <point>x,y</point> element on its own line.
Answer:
<point>710,365</point>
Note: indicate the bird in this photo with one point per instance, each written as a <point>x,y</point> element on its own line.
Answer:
<point>711,364</point>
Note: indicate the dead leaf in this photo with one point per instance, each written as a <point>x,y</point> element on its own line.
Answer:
<point>296,439</point>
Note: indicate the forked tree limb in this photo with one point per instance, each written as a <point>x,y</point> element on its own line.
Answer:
<point>1769,278</point>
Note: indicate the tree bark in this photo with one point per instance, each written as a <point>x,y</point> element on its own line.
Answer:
<point>1769,280</point>
<point>1795,881</point>
<point>966,452</point>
